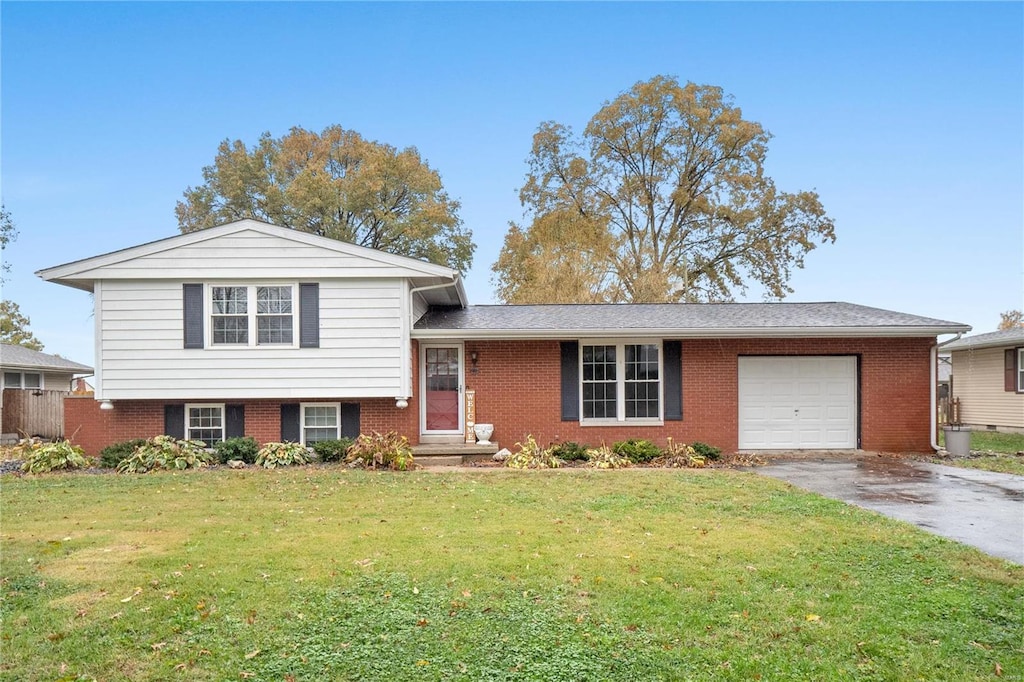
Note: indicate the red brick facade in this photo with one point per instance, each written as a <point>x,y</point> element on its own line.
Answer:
<point>517,386</point>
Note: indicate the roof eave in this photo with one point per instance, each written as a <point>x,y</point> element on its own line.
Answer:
<point>677,333</point>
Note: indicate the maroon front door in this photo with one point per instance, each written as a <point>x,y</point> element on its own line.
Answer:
<point>441,375</point>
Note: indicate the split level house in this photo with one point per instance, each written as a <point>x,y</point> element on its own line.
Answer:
<point>987,379</point>
<point>253,329</point>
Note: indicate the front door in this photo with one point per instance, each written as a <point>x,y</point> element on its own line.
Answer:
<point>442,389</point>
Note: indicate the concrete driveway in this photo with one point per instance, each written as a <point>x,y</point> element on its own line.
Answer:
<point>978,508</point>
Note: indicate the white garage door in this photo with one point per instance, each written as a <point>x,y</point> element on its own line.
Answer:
<point>797,402</point>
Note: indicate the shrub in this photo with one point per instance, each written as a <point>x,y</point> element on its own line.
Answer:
<point>332,450</point>
<point>531,456</point>
<point>707,451</point>
<point>42,457</point>
<point>165,452</point>
<point>244,448</point>
<point>112,455</point>
<point>679,455</point>
<point>604,458</point>
<point>273,455</point>
<point>569,451</point>
<point>381,451</point>
<point>638,450</point>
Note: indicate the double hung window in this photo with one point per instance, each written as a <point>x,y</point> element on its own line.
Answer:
<point>205,423</point>
<point>621,382</point>
<point>320,421</point>
<point>252,315</point>
<point>1020,370</point>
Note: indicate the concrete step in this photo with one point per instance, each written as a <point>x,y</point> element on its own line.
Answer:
<point>438,460</point>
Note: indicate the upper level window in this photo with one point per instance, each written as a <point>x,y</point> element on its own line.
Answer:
<point>241,314</point>
<point>23,380</point>
<point>621,382</point>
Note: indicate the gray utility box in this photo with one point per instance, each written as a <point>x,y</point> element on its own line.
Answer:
<point>958,441</point>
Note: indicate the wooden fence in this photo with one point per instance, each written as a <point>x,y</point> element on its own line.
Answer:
<point>33,413</point>
<point>949,411</point>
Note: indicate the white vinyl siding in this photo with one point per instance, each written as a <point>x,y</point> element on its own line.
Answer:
<point>979,381</point>
<point>141,354</point>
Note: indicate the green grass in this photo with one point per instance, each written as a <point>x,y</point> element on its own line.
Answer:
<point>1003,445</point>
<point>567,575</point>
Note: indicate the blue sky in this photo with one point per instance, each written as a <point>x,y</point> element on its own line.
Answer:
<point>908,119</point>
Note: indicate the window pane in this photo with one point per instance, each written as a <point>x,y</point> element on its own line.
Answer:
<point>319,422</point>
<point>273,300</point>
<point>229,301</point>
<point>600,394</point>
<point>316,435</point>
<point>234,329</point>
<point>33,380</point>
<point>12,379</point>
<point>642,382</point>
<point>273,329</point>
<point>206,424</point>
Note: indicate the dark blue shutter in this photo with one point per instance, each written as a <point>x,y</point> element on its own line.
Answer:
<point>673,365</point>
<point>174,421</point>
<point>309,316</point>
<point>290,427</point>
<point>570,381</point>
<point>192,300</point>
<point>350,420</point>
<point>234,421</point>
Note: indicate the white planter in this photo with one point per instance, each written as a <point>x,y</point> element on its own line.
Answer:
<point>483,433</point>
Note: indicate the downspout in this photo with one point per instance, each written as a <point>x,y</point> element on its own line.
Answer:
<point>935,389</point>
<point>403,401</point>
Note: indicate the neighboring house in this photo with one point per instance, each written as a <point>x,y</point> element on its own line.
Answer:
<point>253,329</point>
<point>988,379</point>
<point>34,386</point>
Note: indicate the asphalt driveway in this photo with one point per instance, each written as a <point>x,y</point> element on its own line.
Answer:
<point>978,508</point>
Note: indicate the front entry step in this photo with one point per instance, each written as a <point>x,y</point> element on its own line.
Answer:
<point>452,454</point>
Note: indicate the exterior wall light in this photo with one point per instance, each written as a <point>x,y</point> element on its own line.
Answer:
<point>106,405</point>
<point>401,403</point>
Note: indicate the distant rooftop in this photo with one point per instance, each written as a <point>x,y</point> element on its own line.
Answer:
<point>26,358</point>
<point>1003,337</point>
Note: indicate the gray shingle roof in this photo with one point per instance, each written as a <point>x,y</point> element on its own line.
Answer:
<point>1003,337</point>
<point>18,356</point>
<point>683,319</point>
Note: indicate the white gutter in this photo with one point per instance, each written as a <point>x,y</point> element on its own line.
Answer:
<point>690,333</point>
<point>934,355</point>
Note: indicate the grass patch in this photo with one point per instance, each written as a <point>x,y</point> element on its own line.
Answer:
<point>1000,452</point>
<point>568,575</point>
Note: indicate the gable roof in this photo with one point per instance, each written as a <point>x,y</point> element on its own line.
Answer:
<point>19,357</point>
<point>1003,337</point>
<point>81,274</point>
<point>675,320</point>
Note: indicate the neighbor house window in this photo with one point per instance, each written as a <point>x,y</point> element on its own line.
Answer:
<point>621,382</point>
<point>23,380</point>
<point>1020,370</point>
<point>242,315</point>
<point>205,423</point>
<point>320,421</point>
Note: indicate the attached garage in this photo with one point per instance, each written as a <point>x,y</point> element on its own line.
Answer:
<point>797,402</point>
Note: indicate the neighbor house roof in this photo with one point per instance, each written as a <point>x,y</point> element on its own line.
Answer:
<point>673,320</point>
<point>1003,337</point>
<point>18,357</point>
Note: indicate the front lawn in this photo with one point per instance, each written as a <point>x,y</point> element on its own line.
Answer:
<point>327,573</point>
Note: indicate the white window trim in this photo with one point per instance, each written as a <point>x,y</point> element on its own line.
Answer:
<point>251,315</point>
<point>223,420</point>
<point>21,380</point>
<point>620,383</point>
<point>1020,370</point>
<point>302,418</point>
